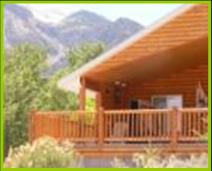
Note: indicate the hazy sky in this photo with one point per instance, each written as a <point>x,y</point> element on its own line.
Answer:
<point>145,14</point>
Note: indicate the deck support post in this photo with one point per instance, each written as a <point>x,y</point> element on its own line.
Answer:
<point>100,127</point>
<point>82,95</point>
<point>98,101</point>
<point>174,128</point>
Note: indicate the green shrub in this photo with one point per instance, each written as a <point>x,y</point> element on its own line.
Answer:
<point>145,160</point>
<point>118,163</point>
<point>43,153</point>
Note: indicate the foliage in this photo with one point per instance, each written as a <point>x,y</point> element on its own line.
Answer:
<point>52,98</point>
<point>22,82</point>
<point>90,104</point>
<point>88,118</point>
<point>84,53</point>
<point>44,152</point>
<point>25,89</point>
<point>204,136</point>
<point>118,163</point>
<point>79,55</point>
<point>155,160</point>
<point>149,158</point>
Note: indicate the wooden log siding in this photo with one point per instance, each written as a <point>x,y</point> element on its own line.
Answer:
<point>182,83</point>
<point>147,125</point>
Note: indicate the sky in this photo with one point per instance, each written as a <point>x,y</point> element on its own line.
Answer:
<point>145,14</point>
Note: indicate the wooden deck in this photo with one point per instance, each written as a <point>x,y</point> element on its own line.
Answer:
<point>124,132</point>
<point>127,149</point>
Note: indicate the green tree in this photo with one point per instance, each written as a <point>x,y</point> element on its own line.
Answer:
<point>80,55</point>
<point>84,53</point>
<point>90,104</point>
<point>22,82</point>
<point>52,98</point>
<point>25,89</point>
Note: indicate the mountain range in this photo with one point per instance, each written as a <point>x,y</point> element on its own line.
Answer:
<point>21,26</point>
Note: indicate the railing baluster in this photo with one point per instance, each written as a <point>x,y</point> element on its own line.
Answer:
<point>64,126</point>
<point>174,135</point>
<point>112,124</point>
<point>159,125</point>
<point>106,126</point>
<point>195,125</point>
<point>123,125</point>
<point>109,125</point>
<point>141,125</point>
<point>83,126</point>
<point>199,122</point>
<point>128,122</point>
<point>49,127</point>
<point>136,122</point>
<point>192,124</point>
<point>120,125</point>
<point>183,124</point>
<point>59,127</point>
<point>205,122</point>
<point>150,124</point>
<point>167,127</point>
<point>131,124</point>
<point>189,124</point>
<point>42,126</point>
<point>202,123</point>
<point>101,127</point>
<point>146,125</point>
<point>155,124</point>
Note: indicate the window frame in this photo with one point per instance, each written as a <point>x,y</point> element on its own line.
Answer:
<point>166,96</point>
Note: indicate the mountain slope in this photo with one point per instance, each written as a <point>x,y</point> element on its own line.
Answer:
<point>21,26</point>
<point>85,25</point>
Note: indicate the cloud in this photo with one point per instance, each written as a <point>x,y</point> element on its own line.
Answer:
<point>143,13</point>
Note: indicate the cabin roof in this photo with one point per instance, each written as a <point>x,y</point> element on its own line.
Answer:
<point>179,38</point>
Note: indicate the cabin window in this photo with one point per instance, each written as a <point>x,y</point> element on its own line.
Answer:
<point>167,101</point>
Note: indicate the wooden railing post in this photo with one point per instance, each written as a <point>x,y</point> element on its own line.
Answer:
<point>82,95</point>
<point>174,129</point>
<point>100,126</point>
<point>30,126</point>
<point>98,100</point>
<point>81,123</point>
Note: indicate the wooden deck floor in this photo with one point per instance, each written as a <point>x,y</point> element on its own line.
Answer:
<point>103,157</point>
<point>128,149</point>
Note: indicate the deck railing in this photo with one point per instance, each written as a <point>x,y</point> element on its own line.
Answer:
<point>137,125</point>
<point>193,123</point>
<point>151,125</point>
<point>146,125</point>
<point>75,126</point>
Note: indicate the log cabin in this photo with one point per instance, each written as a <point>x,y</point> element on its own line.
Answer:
<point>150,89</point>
